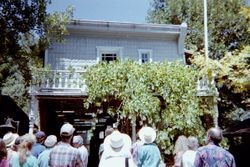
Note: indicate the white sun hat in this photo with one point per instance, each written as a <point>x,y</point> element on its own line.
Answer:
<point>10,138</point>
<point>116,140</point>
<point>147,135</point>
<point>117,144</point>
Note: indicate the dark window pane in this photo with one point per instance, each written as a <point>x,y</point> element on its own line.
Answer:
<point>109,57</point>
<point>144,57</point>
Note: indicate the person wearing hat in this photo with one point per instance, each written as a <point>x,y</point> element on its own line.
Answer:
<point>78,143</point>
<point>149,153</point>
<point>9,140</point>
<point>43,158</point>
<point>24,158</point>
<point>108,131</point>
<point>38,147</point>
<point>117,151</point>
<point>63,154</point>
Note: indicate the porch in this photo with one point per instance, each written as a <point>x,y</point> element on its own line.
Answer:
<point>49,82</point>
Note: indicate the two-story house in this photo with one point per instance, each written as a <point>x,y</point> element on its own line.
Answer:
<point>58,95</point>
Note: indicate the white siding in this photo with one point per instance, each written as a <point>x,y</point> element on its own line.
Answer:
<point>83,48</point>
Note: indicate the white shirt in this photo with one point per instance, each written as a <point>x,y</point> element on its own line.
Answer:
<point>188,158</point>
<point>84,154</point>
<point>118,161</point>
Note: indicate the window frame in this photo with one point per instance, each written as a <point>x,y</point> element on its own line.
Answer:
<point>109,50</point>
<point>145,51</point>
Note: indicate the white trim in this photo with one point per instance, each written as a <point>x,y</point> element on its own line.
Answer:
<point>109,50</point>
<point>147,51</point>
<point>46,60</point>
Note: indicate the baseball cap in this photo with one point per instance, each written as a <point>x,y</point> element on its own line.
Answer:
<point>67,130</point>
<point>50,141</point>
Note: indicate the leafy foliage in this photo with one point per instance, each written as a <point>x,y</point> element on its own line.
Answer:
<point>161,95</point>
<point>227,26</point>
<point>26,30</point>
<point>232,70</point>
<point>233,79</point>
<point>246,12</point>
<point>55,26</point>
<point>20,21</point>
<point>15,88</point>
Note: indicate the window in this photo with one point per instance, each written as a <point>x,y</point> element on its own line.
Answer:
<point>105,53</point>
<point>109,57</point>
<point>145,55</point>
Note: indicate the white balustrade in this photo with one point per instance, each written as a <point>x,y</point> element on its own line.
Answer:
<point>59,79</point>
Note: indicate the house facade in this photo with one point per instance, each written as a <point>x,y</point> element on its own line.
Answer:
<point>57,94</point>
<point>92,41</point>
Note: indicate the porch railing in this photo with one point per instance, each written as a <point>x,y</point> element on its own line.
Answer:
<point>58,79</point>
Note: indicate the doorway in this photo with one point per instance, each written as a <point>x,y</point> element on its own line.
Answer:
<point>55,112</point>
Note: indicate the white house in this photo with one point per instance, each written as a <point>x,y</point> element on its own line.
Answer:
<point>58,94</point>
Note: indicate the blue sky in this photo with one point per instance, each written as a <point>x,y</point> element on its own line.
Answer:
<point>109,10</point>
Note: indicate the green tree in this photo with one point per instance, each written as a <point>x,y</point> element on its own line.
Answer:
<point>227,27</point>
<point>26,31</point>
<point>20,22</point>
<point>233,82</point>
<point>161,95</point>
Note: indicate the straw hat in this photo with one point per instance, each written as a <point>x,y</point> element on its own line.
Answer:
<point>147,135</point>
<point>9,139</point>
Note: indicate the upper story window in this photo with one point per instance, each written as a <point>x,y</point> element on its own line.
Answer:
<point>106,53</point>
<point>109,57</point>
<point>145,55</point>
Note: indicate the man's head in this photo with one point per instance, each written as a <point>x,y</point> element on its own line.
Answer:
<point>214,135</point>
<point>40,137</point>
<point>66,132</point>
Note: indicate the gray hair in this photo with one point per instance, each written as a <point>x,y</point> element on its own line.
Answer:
<point>78,140</point>
<point>215,135</point>
<point>180,144</point>
<point>193,143</point>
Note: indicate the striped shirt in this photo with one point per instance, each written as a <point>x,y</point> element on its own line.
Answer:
<point>64,155</point>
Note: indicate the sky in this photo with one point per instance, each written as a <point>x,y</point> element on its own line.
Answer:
<point>134,11</point>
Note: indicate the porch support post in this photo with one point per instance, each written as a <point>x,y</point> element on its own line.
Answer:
<point>133,130</point>
<point>216,115</point>
<point>32,117</point>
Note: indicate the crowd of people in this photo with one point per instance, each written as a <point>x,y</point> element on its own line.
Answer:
<point>117,150</point>
<point>188,153</point>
